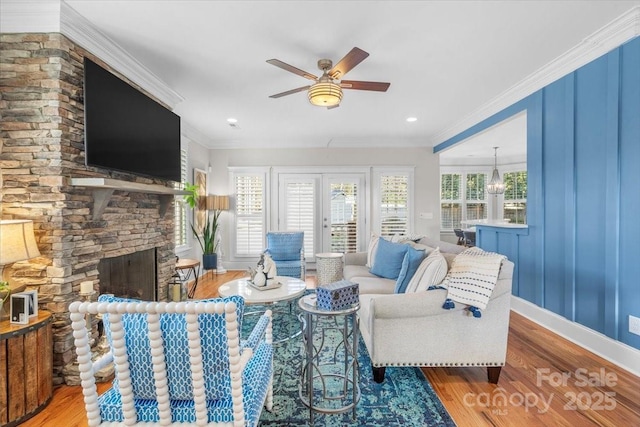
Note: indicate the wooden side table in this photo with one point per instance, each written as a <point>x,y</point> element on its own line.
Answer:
<point>26,368</point>
<point>191,266</point>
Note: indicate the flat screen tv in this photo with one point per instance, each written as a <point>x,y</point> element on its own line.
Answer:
<point>125,130</point>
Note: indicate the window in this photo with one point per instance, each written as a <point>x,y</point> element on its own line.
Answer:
<point>394,203</point>
<point>475,196</point>
<point>344,217</point>
<point>515,197</point>
<point>450,200</point>
<point>459,202</point>
<point>250,213</point>
<point>180,210</point>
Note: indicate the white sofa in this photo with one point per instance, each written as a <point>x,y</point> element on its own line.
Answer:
<point>412,329</point>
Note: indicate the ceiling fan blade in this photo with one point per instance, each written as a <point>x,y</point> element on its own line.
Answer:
<point>289,92</point>
<point>360,85</point>
<point>292,69</point>
<point>346,64</point>
<point>333,106</point>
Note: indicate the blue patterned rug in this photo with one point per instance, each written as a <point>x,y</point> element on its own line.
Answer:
<point>405,398</point>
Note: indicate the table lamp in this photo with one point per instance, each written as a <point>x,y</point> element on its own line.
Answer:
<point>17,243</point>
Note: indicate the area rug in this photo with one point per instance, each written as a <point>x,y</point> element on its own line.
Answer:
<point>405,398</point>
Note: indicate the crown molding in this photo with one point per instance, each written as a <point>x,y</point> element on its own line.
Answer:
<point>84,33</point>
<point>612,35</point>
<point>195,135</point>
<point>56,16</point>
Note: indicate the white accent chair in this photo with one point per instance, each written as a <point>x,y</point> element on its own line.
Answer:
<point>176,363</point>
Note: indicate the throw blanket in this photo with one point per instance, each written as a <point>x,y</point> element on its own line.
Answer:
<point>471,279</point>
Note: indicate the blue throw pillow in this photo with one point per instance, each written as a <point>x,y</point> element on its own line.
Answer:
<point>410,264</point>
<point>388,259</point>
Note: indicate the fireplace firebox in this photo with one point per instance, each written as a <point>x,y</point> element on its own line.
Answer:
<point>130,276</point>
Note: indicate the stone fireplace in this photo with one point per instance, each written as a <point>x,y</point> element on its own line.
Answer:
<point>41,151</point>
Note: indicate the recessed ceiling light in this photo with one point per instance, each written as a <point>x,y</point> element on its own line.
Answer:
<point>232,120</point>
<point>412,119</point>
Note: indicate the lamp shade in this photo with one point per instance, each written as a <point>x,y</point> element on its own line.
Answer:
<point>325,94</point>
<point>17,242</point>
<point>217,203</point>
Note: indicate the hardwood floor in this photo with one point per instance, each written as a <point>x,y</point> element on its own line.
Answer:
<point>532,390</point>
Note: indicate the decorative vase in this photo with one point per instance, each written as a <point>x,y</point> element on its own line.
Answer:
<point>210,261</point>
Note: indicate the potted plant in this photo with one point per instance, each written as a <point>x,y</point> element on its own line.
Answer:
<point>5,291</point>
<point>207,236</point>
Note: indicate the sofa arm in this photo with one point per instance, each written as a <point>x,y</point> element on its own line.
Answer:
<point>355,258</point>
<point>408,305</point>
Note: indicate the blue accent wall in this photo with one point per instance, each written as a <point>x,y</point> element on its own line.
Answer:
<point>580,256</point>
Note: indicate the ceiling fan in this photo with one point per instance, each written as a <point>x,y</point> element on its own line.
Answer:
<point>327,89</point>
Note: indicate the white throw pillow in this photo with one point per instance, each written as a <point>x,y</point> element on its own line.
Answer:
<point>431,272</point>
<point>373,247</point>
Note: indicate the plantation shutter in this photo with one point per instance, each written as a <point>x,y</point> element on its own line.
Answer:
<point>250,215</point>
<point>344,217</point>
<point>300,210</point>
<point>180,209</point>
<point>450,201</point>
<point>394,198</point>
<point>475,196</point>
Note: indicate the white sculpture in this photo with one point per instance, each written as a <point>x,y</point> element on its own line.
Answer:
<point>270,269</point>
<point>260,279</point>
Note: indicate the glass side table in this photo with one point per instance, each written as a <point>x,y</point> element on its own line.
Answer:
<point>329,380</point>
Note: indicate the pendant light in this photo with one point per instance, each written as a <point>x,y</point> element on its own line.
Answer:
<point>495,186</point>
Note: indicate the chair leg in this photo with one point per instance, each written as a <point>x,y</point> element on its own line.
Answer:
<point>269,400</point>
<point>493,373</point>
<point>378,374</point>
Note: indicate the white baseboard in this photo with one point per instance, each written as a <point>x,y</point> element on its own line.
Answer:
<point>622,355</point>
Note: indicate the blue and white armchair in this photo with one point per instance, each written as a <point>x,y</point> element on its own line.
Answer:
<point>286,248</point>
<point>176,363</point>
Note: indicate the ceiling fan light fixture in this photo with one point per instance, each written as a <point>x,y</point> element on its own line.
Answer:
<point>325,94</point>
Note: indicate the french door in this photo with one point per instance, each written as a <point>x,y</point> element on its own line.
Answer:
<point>328,207</point>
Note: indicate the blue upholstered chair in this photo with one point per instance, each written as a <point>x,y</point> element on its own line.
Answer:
<point>176,363</point>
<point>286,248</point>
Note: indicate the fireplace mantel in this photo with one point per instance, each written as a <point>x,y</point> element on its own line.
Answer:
<point>103,188</point>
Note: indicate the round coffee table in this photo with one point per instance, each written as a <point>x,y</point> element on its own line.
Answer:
<point>291,289</point>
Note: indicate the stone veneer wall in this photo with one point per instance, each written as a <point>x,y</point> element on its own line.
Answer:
<point>42,147</point>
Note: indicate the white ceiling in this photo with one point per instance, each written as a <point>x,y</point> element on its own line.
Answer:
<point>444,59</point>
<point>510,136</point>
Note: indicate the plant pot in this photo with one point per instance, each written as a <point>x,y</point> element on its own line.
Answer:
<point>210,261</point>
